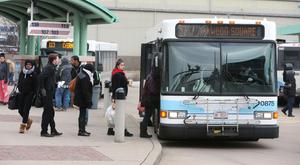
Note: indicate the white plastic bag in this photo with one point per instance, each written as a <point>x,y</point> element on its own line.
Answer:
<point>110,116</point>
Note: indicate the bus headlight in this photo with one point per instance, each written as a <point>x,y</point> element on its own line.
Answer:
<point>263,115</point>
<point>177,114</point>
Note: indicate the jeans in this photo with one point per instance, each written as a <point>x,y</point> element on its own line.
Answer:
<point>289,106</point>
<point>62,98</point>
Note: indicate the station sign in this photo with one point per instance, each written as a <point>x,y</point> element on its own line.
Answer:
<point>44,28</point>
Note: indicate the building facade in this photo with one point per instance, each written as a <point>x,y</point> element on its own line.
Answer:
<point>136,17</point>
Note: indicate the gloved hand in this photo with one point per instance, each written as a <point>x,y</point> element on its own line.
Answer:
<point>43,91</point>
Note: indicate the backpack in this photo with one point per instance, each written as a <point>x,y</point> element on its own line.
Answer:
<point>72,85</point>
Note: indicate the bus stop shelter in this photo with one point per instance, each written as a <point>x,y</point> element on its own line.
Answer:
<point>80,13</point>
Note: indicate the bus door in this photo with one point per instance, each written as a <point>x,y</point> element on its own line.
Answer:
<point>147,55</point>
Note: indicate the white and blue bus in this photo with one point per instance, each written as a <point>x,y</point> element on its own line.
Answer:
<point>288,53</point>
<point>218,78</point>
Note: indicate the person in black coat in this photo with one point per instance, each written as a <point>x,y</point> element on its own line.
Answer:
<point>83,96</point>
<point>150,99</point>
<point>47,87</point>
<point>119,80</point>
<point>27,86</point>
<point>289,88</point>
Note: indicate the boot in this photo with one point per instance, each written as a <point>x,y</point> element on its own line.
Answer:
<point>143,132</point>
<point>22,128</point>
<point>81,124</point>
<point>29,122</point>
<point>110,132</point>
<point>128,134</point>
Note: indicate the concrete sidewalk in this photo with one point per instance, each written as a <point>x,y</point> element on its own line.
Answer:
<point>30,148</point>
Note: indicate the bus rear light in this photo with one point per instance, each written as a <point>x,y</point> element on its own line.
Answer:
<point>275,115</point>
<point>163,114</point>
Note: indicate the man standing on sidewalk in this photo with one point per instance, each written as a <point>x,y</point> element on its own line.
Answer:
<point>3,80</point>
<point>47,86</point>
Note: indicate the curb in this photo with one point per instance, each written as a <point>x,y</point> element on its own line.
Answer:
<point>154,156</point>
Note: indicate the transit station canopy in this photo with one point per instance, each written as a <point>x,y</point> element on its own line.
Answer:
<point>56,10</point>
<point>80,13</point>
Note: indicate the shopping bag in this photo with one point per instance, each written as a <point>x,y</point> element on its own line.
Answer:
<point>13,99</point>
<point>110,116</point>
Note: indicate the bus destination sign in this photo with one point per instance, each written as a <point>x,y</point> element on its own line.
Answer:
<point>220,31</point>
<point>60,45</point>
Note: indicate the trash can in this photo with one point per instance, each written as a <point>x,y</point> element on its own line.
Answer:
<point>95,96</point>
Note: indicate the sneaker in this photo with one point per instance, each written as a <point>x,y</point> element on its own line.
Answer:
<point>291,116</point>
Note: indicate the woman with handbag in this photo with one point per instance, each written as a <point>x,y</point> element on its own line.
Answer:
<point>27,85</point>
<point>118,80</point>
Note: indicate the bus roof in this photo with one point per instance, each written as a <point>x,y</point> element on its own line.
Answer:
<point>93,45</point>
<point>166,29</point>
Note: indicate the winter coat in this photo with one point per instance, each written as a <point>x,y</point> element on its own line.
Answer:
<point>290,83</point>
<point>64,72</point>
<point>119,80</point>
<point>151,91</point>
<point>4,71</point>
<point>47,78</point>
<point>83,91</point>
<point>29,84</point>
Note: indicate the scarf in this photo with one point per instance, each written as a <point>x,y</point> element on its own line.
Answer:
<point>116,70</point>
<point>90,75</point>
<point>27,72</point>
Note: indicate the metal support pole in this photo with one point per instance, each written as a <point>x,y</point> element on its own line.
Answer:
<point>31,10</point>
<point>76,25</point>
<point>83,37</point>
<point>120,115</point>
<point>22,34</point>
<point>31,45</point>
<point>106,98</point>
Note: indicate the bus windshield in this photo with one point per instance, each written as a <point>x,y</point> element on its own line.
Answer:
<point>216,68</point>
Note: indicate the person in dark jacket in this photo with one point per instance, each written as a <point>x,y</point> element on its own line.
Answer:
<point>62,93</point>
<point>119,80</point>
<point>27,86</point>
<point>290,88</point>
<point>83,96</point>
<point>150,99</point>
<point>3,79</point>
<point>47,87</point>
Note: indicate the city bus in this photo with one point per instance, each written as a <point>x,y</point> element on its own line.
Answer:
<point>218,78</point>
<point>288,53</point>
<point>102,54</point>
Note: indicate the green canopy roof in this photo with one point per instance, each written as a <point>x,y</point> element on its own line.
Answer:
<point>56,10</point>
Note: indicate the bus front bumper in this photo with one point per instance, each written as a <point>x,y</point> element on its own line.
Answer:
<point>199,131</point>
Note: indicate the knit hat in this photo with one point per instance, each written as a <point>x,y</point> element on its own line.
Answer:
<point>29,62</point>
<point>89,67</point>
